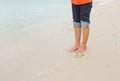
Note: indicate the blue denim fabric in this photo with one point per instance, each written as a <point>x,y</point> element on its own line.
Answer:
<point>81,15</point>
<point>82,24</point>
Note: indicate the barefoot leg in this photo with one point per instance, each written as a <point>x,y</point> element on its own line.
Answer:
<point>83,47</point>
<point>77,39</point>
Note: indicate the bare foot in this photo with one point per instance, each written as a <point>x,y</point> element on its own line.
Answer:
<point>73,49</point>
<point>81,49</point>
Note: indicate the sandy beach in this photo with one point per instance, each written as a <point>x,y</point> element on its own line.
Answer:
<point>101,62</point>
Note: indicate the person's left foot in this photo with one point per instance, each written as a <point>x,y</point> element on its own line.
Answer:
<point>81,49</point>
<point>73,49</point>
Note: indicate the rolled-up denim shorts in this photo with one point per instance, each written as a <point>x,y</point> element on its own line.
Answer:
<point>81,15</point>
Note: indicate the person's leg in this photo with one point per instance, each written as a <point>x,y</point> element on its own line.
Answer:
<point>83,45</point>
<point>85,37</point>
<point>85,16</point>
<point>77,27</point>
<point>77,39</point>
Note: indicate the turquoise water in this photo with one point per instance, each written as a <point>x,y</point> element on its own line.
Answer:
<point>26,9</point>
<point>19,13</point>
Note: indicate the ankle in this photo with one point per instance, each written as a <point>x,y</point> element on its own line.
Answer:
<point>77,44</point>
<point>83,45</point>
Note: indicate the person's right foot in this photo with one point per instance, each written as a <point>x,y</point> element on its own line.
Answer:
<point>73,49</point>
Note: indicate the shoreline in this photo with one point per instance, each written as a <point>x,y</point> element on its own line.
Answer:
<point>103,44</point>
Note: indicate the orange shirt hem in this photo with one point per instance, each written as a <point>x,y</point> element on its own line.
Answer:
<point>80,2</point>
